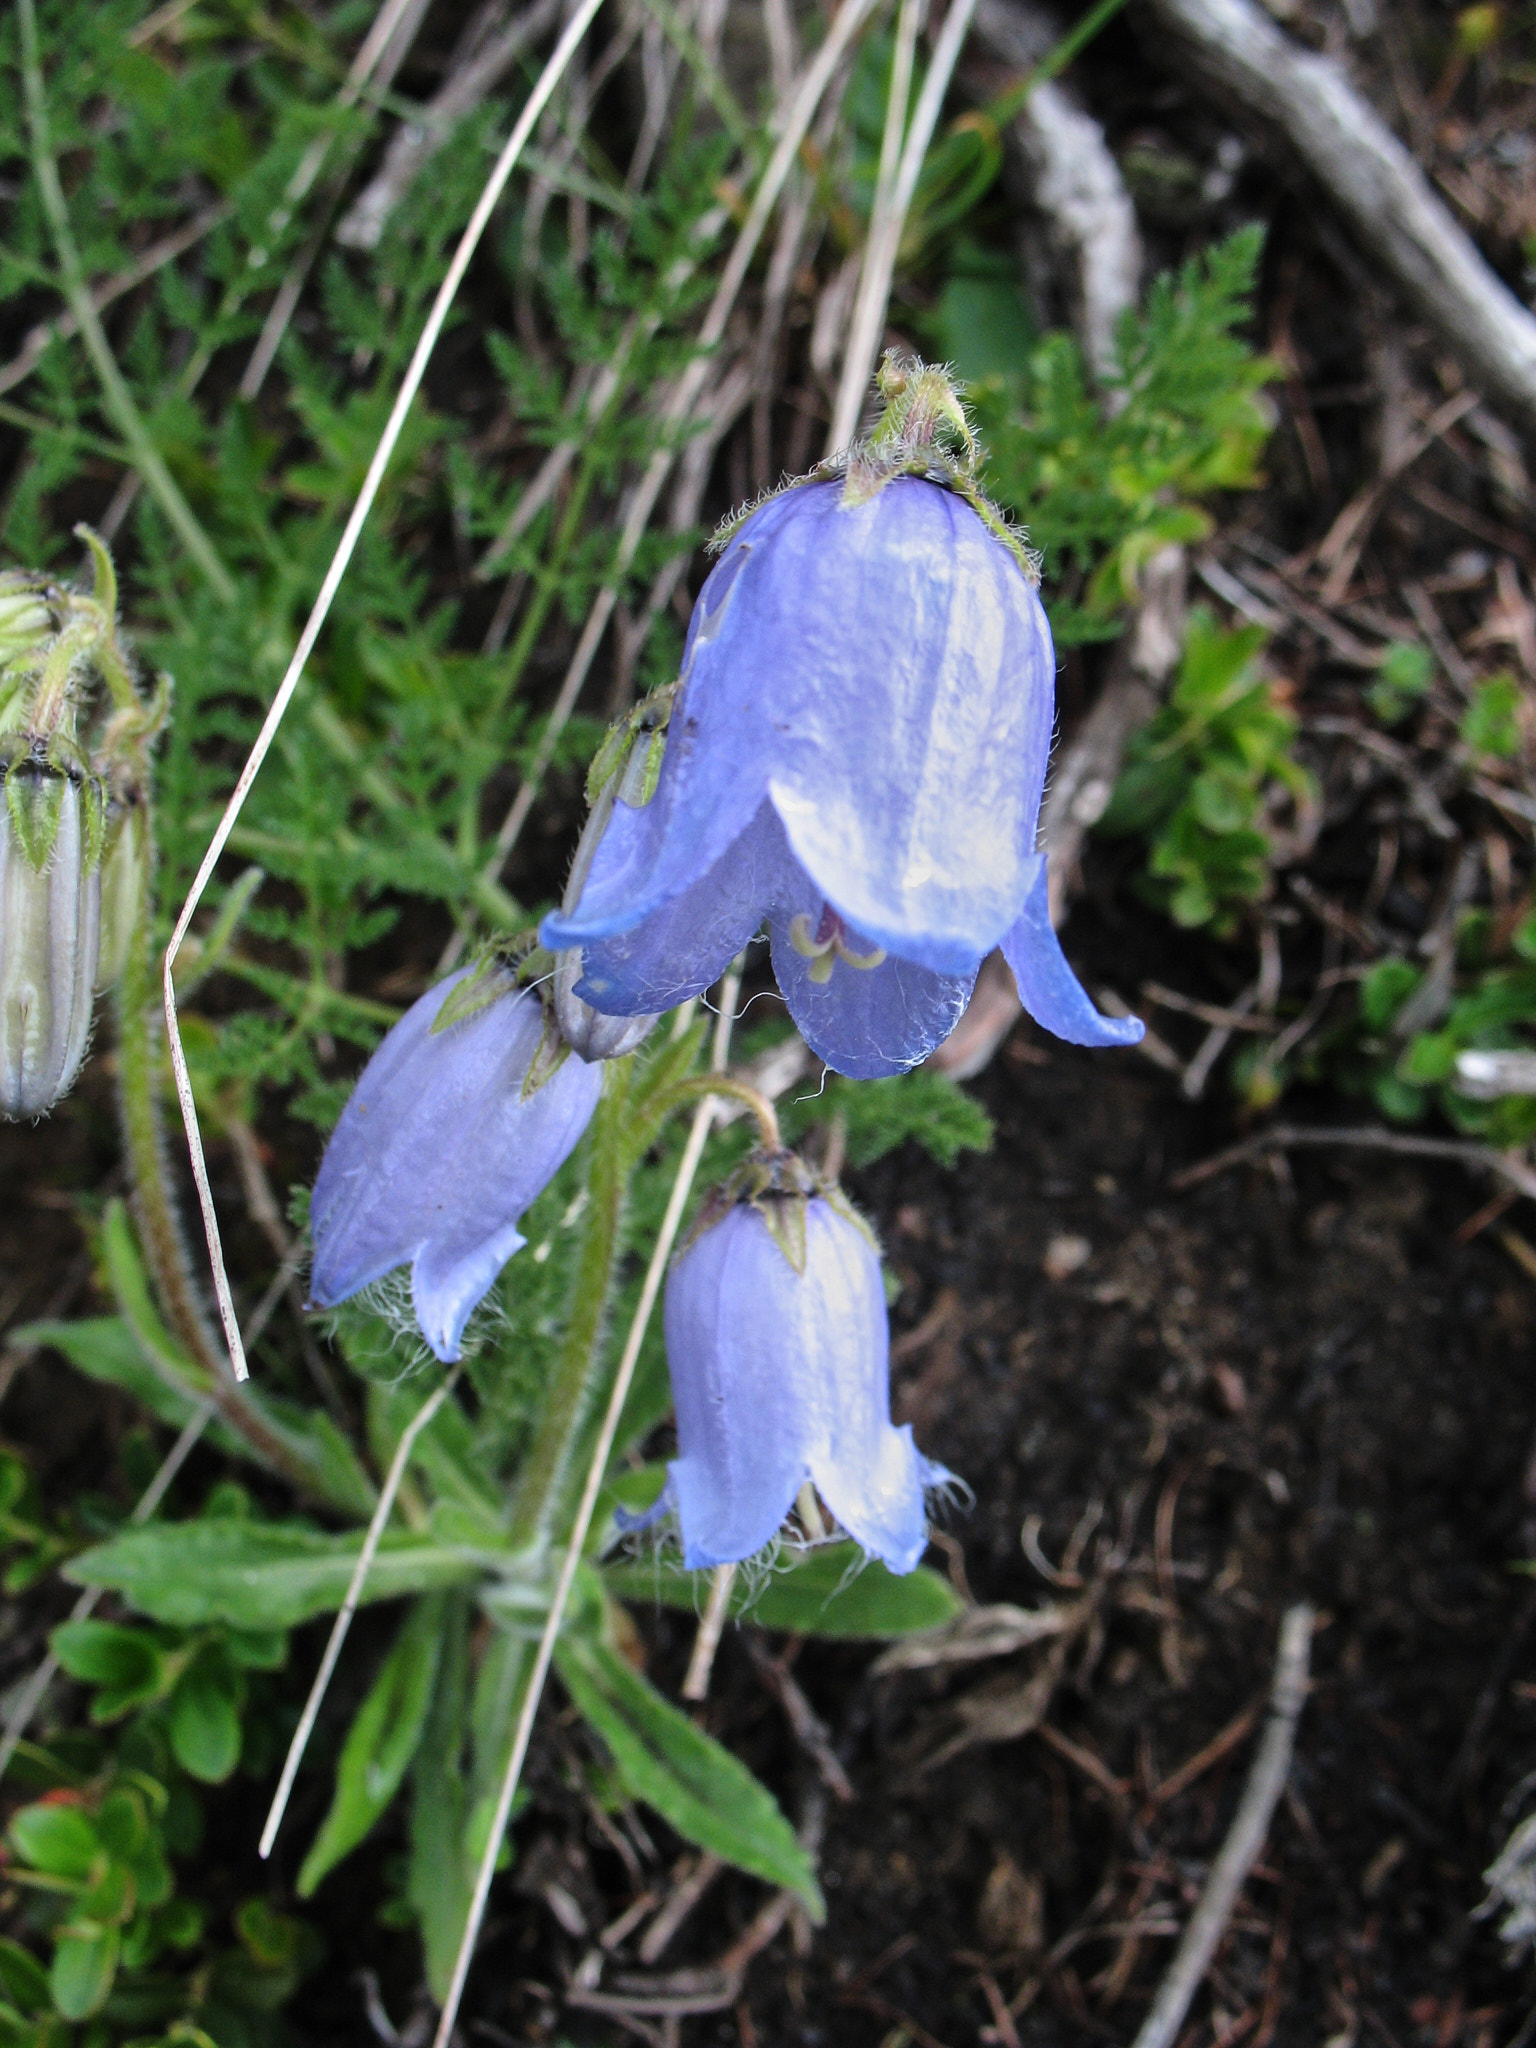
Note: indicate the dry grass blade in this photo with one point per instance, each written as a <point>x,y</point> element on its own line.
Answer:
<point>875,276</point>
<point>349,1605</point>
<point>495,184</point>
<point>850,18</point>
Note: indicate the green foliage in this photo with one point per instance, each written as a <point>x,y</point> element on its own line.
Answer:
<point>1406,672</point>
<point>1491,723</point>
<point>1202,780</point>
<point>1102,478</point>
<point>877,1116</point>
<point>1403,1046</point>
<point>30,1546</point>
<point>380,1743</point>
<point>94,1859</point>
<point>827,1591</point>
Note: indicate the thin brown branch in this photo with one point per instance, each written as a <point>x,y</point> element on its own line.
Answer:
<point>1245,1837</point>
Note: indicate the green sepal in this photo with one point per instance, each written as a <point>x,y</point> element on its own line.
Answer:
<point>34,798</point>
<point>924,431</point>
<point>550,1056</point>
<point>486,980</point>
<point>632,749</point>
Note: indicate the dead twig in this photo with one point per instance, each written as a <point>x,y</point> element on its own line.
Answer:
<point>1375,184</point>
<point>1245,1837</point>
<point>810,1731</point>
<point>1289,1137</point>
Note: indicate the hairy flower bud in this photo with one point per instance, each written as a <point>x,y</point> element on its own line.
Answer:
<point>778,1345</point>
<point>450,1133</point>
<point>50,930</point>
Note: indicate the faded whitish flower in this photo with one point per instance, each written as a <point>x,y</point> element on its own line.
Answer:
<point>856,755</point>
<point>778,1345</point>
<point>447,1138</point>
<point>50,929</point>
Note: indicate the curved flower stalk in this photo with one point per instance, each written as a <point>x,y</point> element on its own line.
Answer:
<point>856,754</point>
<point>778,1344</point>
<point>456,1125</point>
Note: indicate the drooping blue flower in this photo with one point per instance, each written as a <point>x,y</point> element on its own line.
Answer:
<point>778,1345</point>
<point>856,755</point>
<point>441,1148</point>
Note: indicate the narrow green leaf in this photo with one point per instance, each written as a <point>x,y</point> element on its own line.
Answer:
<point>23,1978</point>
<point>823,1592</point>
<point>381,1741</point>
<point>258,1575</point>
<point>697,1787</point>
<point>438,1881</point>
<point>105,1349</point>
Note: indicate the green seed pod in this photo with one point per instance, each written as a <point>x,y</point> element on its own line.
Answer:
<point>51,829</point>
<point>122,889</point>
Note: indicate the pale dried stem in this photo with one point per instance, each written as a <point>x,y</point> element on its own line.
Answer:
<point>447,291</point>
<point>349,1605</point>
<point>885,236</point>
<point>1372,180</point>
<point>688,1166</point>
<point>470,82</point>
<point>379,57</point>
<point>1245,1837</point>
<point>711,1625</point>
<point>874,288</point>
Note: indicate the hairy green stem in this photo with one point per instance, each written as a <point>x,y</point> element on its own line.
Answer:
<point>119,399</point>
<point>696,1086</point>
<point>544,1477</point>
<point>153,1198</point>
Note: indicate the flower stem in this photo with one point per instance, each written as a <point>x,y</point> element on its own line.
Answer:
<point>154,1200</point>
<point>544,1475</point>
<point>698,1085</point>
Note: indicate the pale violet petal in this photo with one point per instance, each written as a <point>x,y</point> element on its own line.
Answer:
<point>864,1021</point>
<point>438,1153</point>
<point>1048,988</point>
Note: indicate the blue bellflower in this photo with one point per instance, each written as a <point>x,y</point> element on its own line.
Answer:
<point>441,1148</point>
<point>856,755</point>
<point>781,1374</point>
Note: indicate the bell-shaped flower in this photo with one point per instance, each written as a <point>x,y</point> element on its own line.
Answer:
<point>51,826</point>
<point>856,755</point>
<point>778,1345</point>
<point>447,1138</point>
